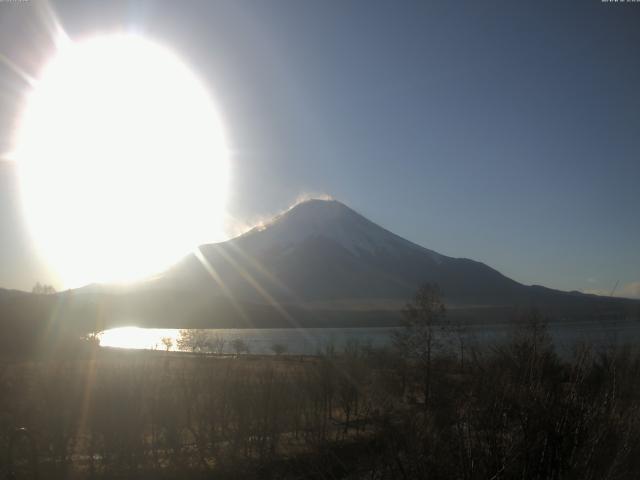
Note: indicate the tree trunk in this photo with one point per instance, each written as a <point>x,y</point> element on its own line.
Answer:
<point>427,380</point>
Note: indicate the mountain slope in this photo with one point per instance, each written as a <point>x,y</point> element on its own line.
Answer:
<point>318,264</point>
<point>322,252</point>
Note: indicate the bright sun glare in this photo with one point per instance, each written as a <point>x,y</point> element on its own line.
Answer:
<point>122,160</point>
<point>134,337</point>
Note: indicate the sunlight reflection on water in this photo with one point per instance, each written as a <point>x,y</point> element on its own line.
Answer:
<point>311,340</point>
<point>260,341</point>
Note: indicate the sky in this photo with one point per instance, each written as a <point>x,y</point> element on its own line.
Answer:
<point>506,132</point>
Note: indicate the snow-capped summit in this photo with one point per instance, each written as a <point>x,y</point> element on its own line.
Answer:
<point>330,220</point>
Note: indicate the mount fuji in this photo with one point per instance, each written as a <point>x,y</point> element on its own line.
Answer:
<point>323,252</point>
<point>320,263</point>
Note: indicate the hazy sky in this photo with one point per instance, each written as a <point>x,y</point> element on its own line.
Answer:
<point>507,132</point>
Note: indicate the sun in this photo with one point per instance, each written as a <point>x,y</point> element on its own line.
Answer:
<point>122,159</point>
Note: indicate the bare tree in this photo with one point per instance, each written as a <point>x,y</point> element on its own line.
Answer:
<point>418,339</point>
<point>240,346</point>
<point>167,342</point>
<point>459,332</point>
<point>217,343</point>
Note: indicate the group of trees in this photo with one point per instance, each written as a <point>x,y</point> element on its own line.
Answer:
<point>516,410</point>
<point>183,415</point>
<point>428,406</point>
<point>43,289</point>
<point>205,341</point>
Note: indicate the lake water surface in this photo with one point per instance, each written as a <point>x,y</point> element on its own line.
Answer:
<point>312,340</point>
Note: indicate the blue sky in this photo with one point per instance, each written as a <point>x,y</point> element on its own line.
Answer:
<point>507,132</point>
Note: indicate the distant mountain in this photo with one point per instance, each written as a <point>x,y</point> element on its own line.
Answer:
<point>323,253</point>
<point>322,264</point>
<point>7,294</point>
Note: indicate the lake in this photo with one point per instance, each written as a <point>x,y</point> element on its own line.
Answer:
<point>310,341</point>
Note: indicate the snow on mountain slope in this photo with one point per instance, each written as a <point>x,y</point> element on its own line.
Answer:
<point>328,219</point>
<point>321,250</point>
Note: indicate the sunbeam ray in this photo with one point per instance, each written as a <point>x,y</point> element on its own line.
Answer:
<point>212,272</point>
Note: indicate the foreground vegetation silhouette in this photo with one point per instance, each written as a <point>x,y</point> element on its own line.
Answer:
<point>413,410</point>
